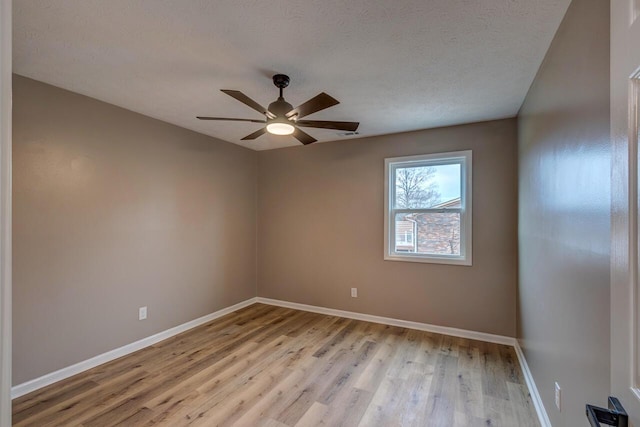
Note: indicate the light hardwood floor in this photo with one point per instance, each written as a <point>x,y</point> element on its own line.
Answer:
<point>277,367</point>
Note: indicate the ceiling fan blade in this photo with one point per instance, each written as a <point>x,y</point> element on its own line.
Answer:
<point>349,126</point>
<point>303,137</point>
<point>230,119</point>
<point>315,104</point>
<point>256,134</point>
<point>248,102</point>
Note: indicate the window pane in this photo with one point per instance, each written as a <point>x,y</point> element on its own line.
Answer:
<point>429,233</point>
<point>405,233</point>
<point>427,186</point>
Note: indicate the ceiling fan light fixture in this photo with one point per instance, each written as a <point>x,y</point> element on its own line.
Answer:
<point>280,127</point>
<point>282,119</point>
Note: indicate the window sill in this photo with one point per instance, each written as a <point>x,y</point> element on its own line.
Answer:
<point>429,259</point>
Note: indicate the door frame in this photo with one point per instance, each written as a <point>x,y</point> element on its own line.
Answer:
<point>625,256</point>
<point>5,213</point>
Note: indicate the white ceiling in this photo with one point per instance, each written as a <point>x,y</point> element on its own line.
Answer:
<point>394,65</point>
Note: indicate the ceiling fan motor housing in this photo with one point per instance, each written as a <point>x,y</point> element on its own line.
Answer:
<point>280,107</point>
<point>281,80</point>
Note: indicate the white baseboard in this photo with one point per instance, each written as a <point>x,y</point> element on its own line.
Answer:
<point>533,390</point>
<point>61,374</point>
<point>445,330</point>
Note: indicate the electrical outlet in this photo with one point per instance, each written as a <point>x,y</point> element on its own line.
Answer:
<point>558,397</point>
<point>354,292</point>
<point>142,313</point>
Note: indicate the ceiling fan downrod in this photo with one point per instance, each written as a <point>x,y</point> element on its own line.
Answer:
<point>280,107</point>
<point>281,81</point>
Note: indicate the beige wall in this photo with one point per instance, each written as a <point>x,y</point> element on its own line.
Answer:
<point>564,155</point>
<point>320,228</point>
<point>113,211</point>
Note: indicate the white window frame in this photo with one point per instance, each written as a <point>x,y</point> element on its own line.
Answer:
<point>464,159</point>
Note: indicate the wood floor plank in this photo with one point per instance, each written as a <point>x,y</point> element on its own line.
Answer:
<point>70,411</point>
<point>383,408</point>
<point>512,367</point>
<point>469,404</point>
<point>186,392</point>
<point>314,415</point>
<point>272,400</point>
<point>519,395</point>
<point>278,367</point>
<point>28,408</point>
<point>348,374</point>
<point>415,396</point>
<point>352,406</point>
<point>443,391</point>
<point>226,411</point>
<point>304,396</point>
<point>494,377</point>
<point>244,374</point>
<point>378,366</point>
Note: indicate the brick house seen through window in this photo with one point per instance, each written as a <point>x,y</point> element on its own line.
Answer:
<point>437,233</point>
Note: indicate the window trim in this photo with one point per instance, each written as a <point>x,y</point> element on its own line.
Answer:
<point>464,158</point>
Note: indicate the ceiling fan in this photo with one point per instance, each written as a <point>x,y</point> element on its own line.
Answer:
<point>283,119</point>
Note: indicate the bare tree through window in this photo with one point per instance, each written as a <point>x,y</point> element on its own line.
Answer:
<point>454,241</point>
<point>416,188</point>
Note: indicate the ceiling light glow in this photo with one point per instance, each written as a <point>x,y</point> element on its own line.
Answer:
<point>280,128</point>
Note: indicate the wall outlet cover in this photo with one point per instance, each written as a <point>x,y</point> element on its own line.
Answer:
<point>142,313</point>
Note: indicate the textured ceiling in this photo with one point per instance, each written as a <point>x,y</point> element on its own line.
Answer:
<point>394,65</point>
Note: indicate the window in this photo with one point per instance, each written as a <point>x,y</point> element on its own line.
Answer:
<point>428,208</point>
<point>405,232</point>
